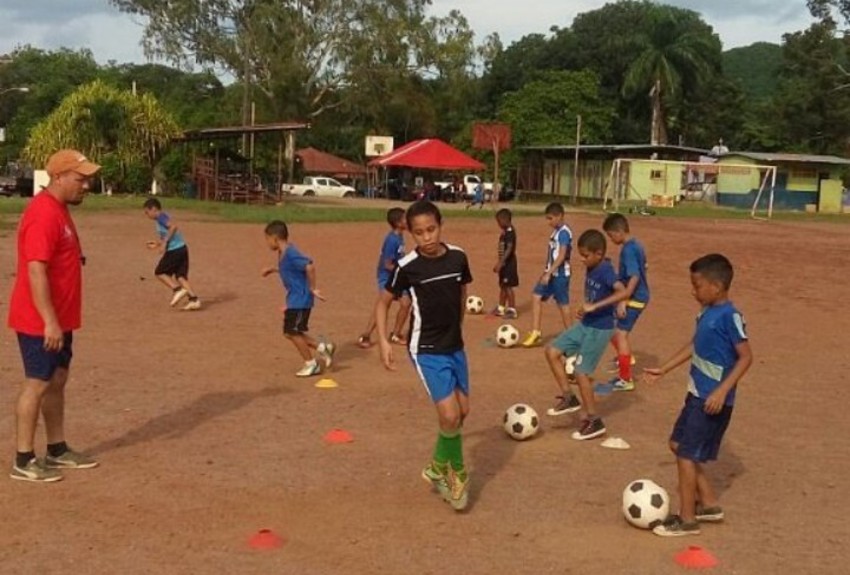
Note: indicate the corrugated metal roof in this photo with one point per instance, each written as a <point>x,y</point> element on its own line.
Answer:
<point>770,157</point>
<point>620,148</point>
<point>237,131</point>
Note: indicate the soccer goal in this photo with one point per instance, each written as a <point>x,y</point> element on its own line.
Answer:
<point>648,183</point>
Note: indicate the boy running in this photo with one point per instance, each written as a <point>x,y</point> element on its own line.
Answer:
<point>555,281</point>
<point>436,274</point>
<point>173,267</point>
<point>720,355</point>
<point>298,275</point>
<point>633,276</point>
<point>392,250</point>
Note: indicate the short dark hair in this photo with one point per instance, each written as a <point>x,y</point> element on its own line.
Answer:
<point>504,215</point>
<point>394,216</point>
<point>152,203</point>
<point>554,209</point>
<point>714,268</point>
<point>616,223</point>
<point>593,240</point>
<point>278,229</point>
<point>423,208</point>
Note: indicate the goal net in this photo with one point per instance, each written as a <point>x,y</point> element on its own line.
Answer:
<point>665,183</point>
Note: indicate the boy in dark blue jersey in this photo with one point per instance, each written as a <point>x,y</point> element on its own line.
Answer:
<point>633,275</point>
<point>298,275</point>
<point>587,339</point>
<point>436,275</point>
<point>720,355</point>
<point>392,250</point>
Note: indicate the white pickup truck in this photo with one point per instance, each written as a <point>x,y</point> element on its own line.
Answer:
<point>319,186</point>
<point>470,181</point>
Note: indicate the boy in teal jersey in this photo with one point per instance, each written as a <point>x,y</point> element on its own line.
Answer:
<point>173,266</point>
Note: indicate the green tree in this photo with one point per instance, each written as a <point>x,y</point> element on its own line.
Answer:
<point>672,58</point>
<point>109,125</point>
<point>754,68</point>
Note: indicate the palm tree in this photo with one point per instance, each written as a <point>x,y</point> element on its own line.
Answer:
<point>672,54</point>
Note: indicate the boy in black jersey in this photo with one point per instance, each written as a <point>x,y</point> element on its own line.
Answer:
<point>436,275</point>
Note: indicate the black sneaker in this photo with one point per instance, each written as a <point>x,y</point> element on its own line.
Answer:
<point>673,526</point>
<point>709,514</point>
<point>589,429</point>
<point>565,404</point>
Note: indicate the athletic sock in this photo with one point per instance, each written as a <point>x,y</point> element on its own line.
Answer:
<point>450,449</point>
<point>625,364</point>
<point>56,449</point>
<point>24,457</point>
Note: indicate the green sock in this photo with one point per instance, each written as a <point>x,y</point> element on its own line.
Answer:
<point>449,450</point>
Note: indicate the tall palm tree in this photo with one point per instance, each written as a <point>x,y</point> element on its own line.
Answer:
<point>673,53</point>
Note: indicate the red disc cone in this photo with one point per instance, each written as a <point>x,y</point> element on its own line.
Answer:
<point>695,557</point>
<point>265,539</point>
<point>338,436</point>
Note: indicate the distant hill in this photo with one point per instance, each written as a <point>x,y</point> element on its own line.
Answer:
<point>754,68</point>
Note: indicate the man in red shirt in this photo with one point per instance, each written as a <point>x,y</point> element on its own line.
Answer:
<point>44,310</point>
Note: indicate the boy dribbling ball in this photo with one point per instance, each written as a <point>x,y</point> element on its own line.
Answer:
<point>173,266</point>
<point>436,274</point>
<point>298,275</point>
<point>720,355</point>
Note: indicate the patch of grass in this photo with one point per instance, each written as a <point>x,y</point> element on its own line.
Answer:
<point>709,211</point>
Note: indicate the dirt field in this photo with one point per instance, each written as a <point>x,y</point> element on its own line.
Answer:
<point>205,436</point>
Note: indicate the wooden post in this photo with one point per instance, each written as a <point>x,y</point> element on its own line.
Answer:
<point>280,168</point>
<point>290,156</point>
<point>575,168</point>
<point>494,196</point>
<point>251,145</point>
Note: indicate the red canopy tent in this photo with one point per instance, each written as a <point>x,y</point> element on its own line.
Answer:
<point>431,154</point>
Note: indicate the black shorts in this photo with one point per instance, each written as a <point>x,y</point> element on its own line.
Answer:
<point>295,321</point>
<point>508,276</point>
<point>40,363</point>
<point>697,433</point>
<point>174,263</point>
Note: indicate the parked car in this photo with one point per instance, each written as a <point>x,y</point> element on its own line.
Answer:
<point>321,186</point>
<point>8,186</point>
<point>470,181</point>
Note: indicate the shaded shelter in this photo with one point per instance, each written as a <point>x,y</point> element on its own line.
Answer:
<point>428,154</point>
<point>313,161</point>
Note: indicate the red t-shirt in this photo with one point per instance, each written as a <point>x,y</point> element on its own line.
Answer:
<point>47,234</point>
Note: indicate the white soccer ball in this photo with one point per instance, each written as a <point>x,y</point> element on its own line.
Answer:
<point>507,335</point>
<point>645,503</point>
<point>521,421</point>
<point>474,304</point>
<point>570,365</point>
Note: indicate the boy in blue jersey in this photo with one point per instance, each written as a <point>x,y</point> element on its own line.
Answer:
<point>173,266</point>
<point>298,275</point>
<point>392,250</point>
<point>720,355</point>
<point>588,339</point>
<point>633,275</point>
<point>436,275</point>
<point>555,281</point>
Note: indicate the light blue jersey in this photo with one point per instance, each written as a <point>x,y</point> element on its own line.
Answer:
<point>176,241</point>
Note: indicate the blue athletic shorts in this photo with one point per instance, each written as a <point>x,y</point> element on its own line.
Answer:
<point>697,433</point>
<point>557,288</point>
<point>442,373</point>
<point>628,323</point>
<point>40,363</point>
<point>586,343</point>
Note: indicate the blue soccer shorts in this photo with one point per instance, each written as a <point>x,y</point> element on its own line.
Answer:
<point>633,311</point>
<point>442,373</point>
<point>558,289</point>
<point>40,363</point>
<point>697,433</point>
<point>586,343</point>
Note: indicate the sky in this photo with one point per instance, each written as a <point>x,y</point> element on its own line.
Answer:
<point>112,35</point>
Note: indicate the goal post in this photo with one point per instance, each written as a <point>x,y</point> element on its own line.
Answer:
<point>659,183</point>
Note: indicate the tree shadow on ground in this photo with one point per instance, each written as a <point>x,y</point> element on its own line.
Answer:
<point>182,421</point>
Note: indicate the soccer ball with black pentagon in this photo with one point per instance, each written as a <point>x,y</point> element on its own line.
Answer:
<point>474,304</point>
<point>507,335</point>
<point>521,421</point>
<point>645,503</point>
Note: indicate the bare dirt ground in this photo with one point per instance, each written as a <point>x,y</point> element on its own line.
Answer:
<point>205,436</point>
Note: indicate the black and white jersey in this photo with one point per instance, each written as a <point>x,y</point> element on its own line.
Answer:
<point>436,287</point>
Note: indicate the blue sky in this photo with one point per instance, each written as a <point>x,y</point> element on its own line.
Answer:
<point>112,35</point>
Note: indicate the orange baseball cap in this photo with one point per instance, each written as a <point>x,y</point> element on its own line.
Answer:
<point>70,161</point>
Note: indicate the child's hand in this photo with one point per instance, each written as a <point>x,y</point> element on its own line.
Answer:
<point>152,244</point>
<point>715,402</point>
<point>652,374</point>
<point>387,355</point>
<point>588,307</point>
<point>318,295</point>
<point>621,310</point>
